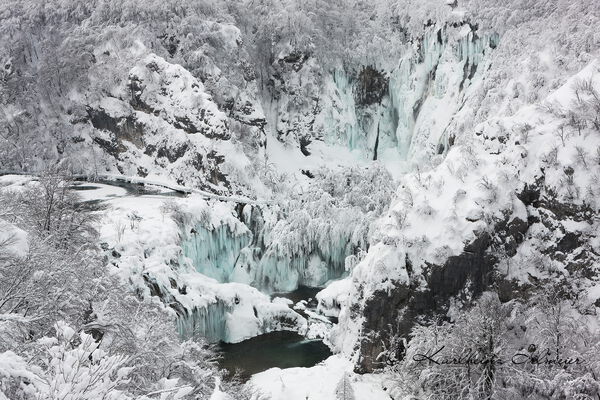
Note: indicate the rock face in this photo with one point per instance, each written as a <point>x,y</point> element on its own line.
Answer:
<point>464,276</point>
<point>196,97</point>
<point>371,108</point>
<point>173,94</point>
<point>168,123</point>
<point>560,231</point>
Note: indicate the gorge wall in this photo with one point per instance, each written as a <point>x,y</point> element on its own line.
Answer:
<point>242,103</point>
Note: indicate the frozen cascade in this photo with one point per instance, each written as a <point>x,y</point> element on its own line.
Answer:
<point>229,254</point>
<point>341,125</point>
<point>208,322</point>
<point>432,78</point>
<point>214,252</point>
<point>438,68</point>
<point>301,252</point>
<point>276,272</point>
<point>237,312</point>
<point>357,126</point>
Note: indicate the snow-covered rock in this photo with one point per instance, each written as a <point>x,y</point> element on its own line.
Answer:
<point>144,245</point>
<point>316,383</point>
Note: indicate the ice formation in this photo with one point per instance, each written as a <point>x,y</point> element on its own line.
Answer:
<point>275,263</point>
<point>238,312</point>
<point>422,94</point>
<point>151,256</point>
<point>214,252</point>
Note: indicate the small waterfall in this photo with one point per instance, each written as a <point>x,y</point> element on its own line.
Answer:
<point>208,322</point>
<point>231,255</point>
<point>341,125</point>
<point>214,252</point>
<point>434,67</point>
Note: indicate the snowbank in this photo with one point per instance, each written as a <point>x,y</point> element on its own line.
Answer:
<point>315,383</point>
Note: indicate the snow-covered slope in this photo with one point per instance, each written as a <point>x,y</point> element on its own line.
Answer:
<point>513,206</point>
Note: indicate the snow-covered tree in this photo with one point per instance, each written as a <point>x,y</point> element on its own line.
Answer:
<point>68,328</point>
<point>344,390</point>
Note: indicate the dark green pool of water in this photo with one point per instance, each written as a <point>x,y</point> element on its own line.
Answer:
<point>275,349</point>
<point>302,293</point>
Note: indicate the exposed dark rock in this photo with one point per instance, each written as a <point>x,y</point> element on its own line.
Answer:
<point>185,124</point>
<point>304,143</point>
<point>569,242</point>
<point>307,173</point>
<point>170,42</point>
<point>469,71</point>
<point>245,113</point>
<point>371,87</point>
<point>143,172</point>
<point>440,148</point>
<point>400,308</point>
<point>295,59</point>
<point>77,139</point>
<point>376,147</point>
<point>155,289</point>
<point>112,147</point>
<point>179,308</point>
<point>216,176</point>
<point>137,89</point>
<point>197,162</point>
<point>125,128</point>
<point>150,149</point>
<point>172,153</point>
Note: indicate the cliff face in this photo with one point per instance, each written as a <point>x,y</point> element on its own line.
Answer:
<point>488,183</point>
<point>484,264</point>
<point>394,111</point>
<point>195,104</point>
<point>140,97</point>
<point>508,212</point>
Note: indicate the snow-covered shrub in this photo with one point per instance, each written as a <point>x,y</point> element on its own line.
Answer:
<point>333,217</point>
<point>71,330</point>
<point>67,366</point>
<point>502,351</point>
<point>344,390</point>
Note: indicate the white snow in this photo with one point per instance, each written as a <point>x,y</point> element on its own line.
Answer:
<point>316,383</point>
<point>149,245</point>
<point>13,241</point>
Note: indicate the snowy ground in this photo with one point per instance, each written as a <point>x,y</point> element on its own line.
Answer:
<point>316,383</point>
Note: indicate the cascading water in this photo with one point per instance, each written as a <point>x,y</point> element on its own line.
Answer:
<point>214,252</point>
<point>233,256</point>
<point>434,67</point>
<point>431,79</point>
<point>208,322</point>
<point>342,123</point>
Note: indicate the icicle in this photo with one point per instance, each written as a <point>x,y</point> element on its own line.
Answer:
<point>214,252</point>
<point>208,322</point>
